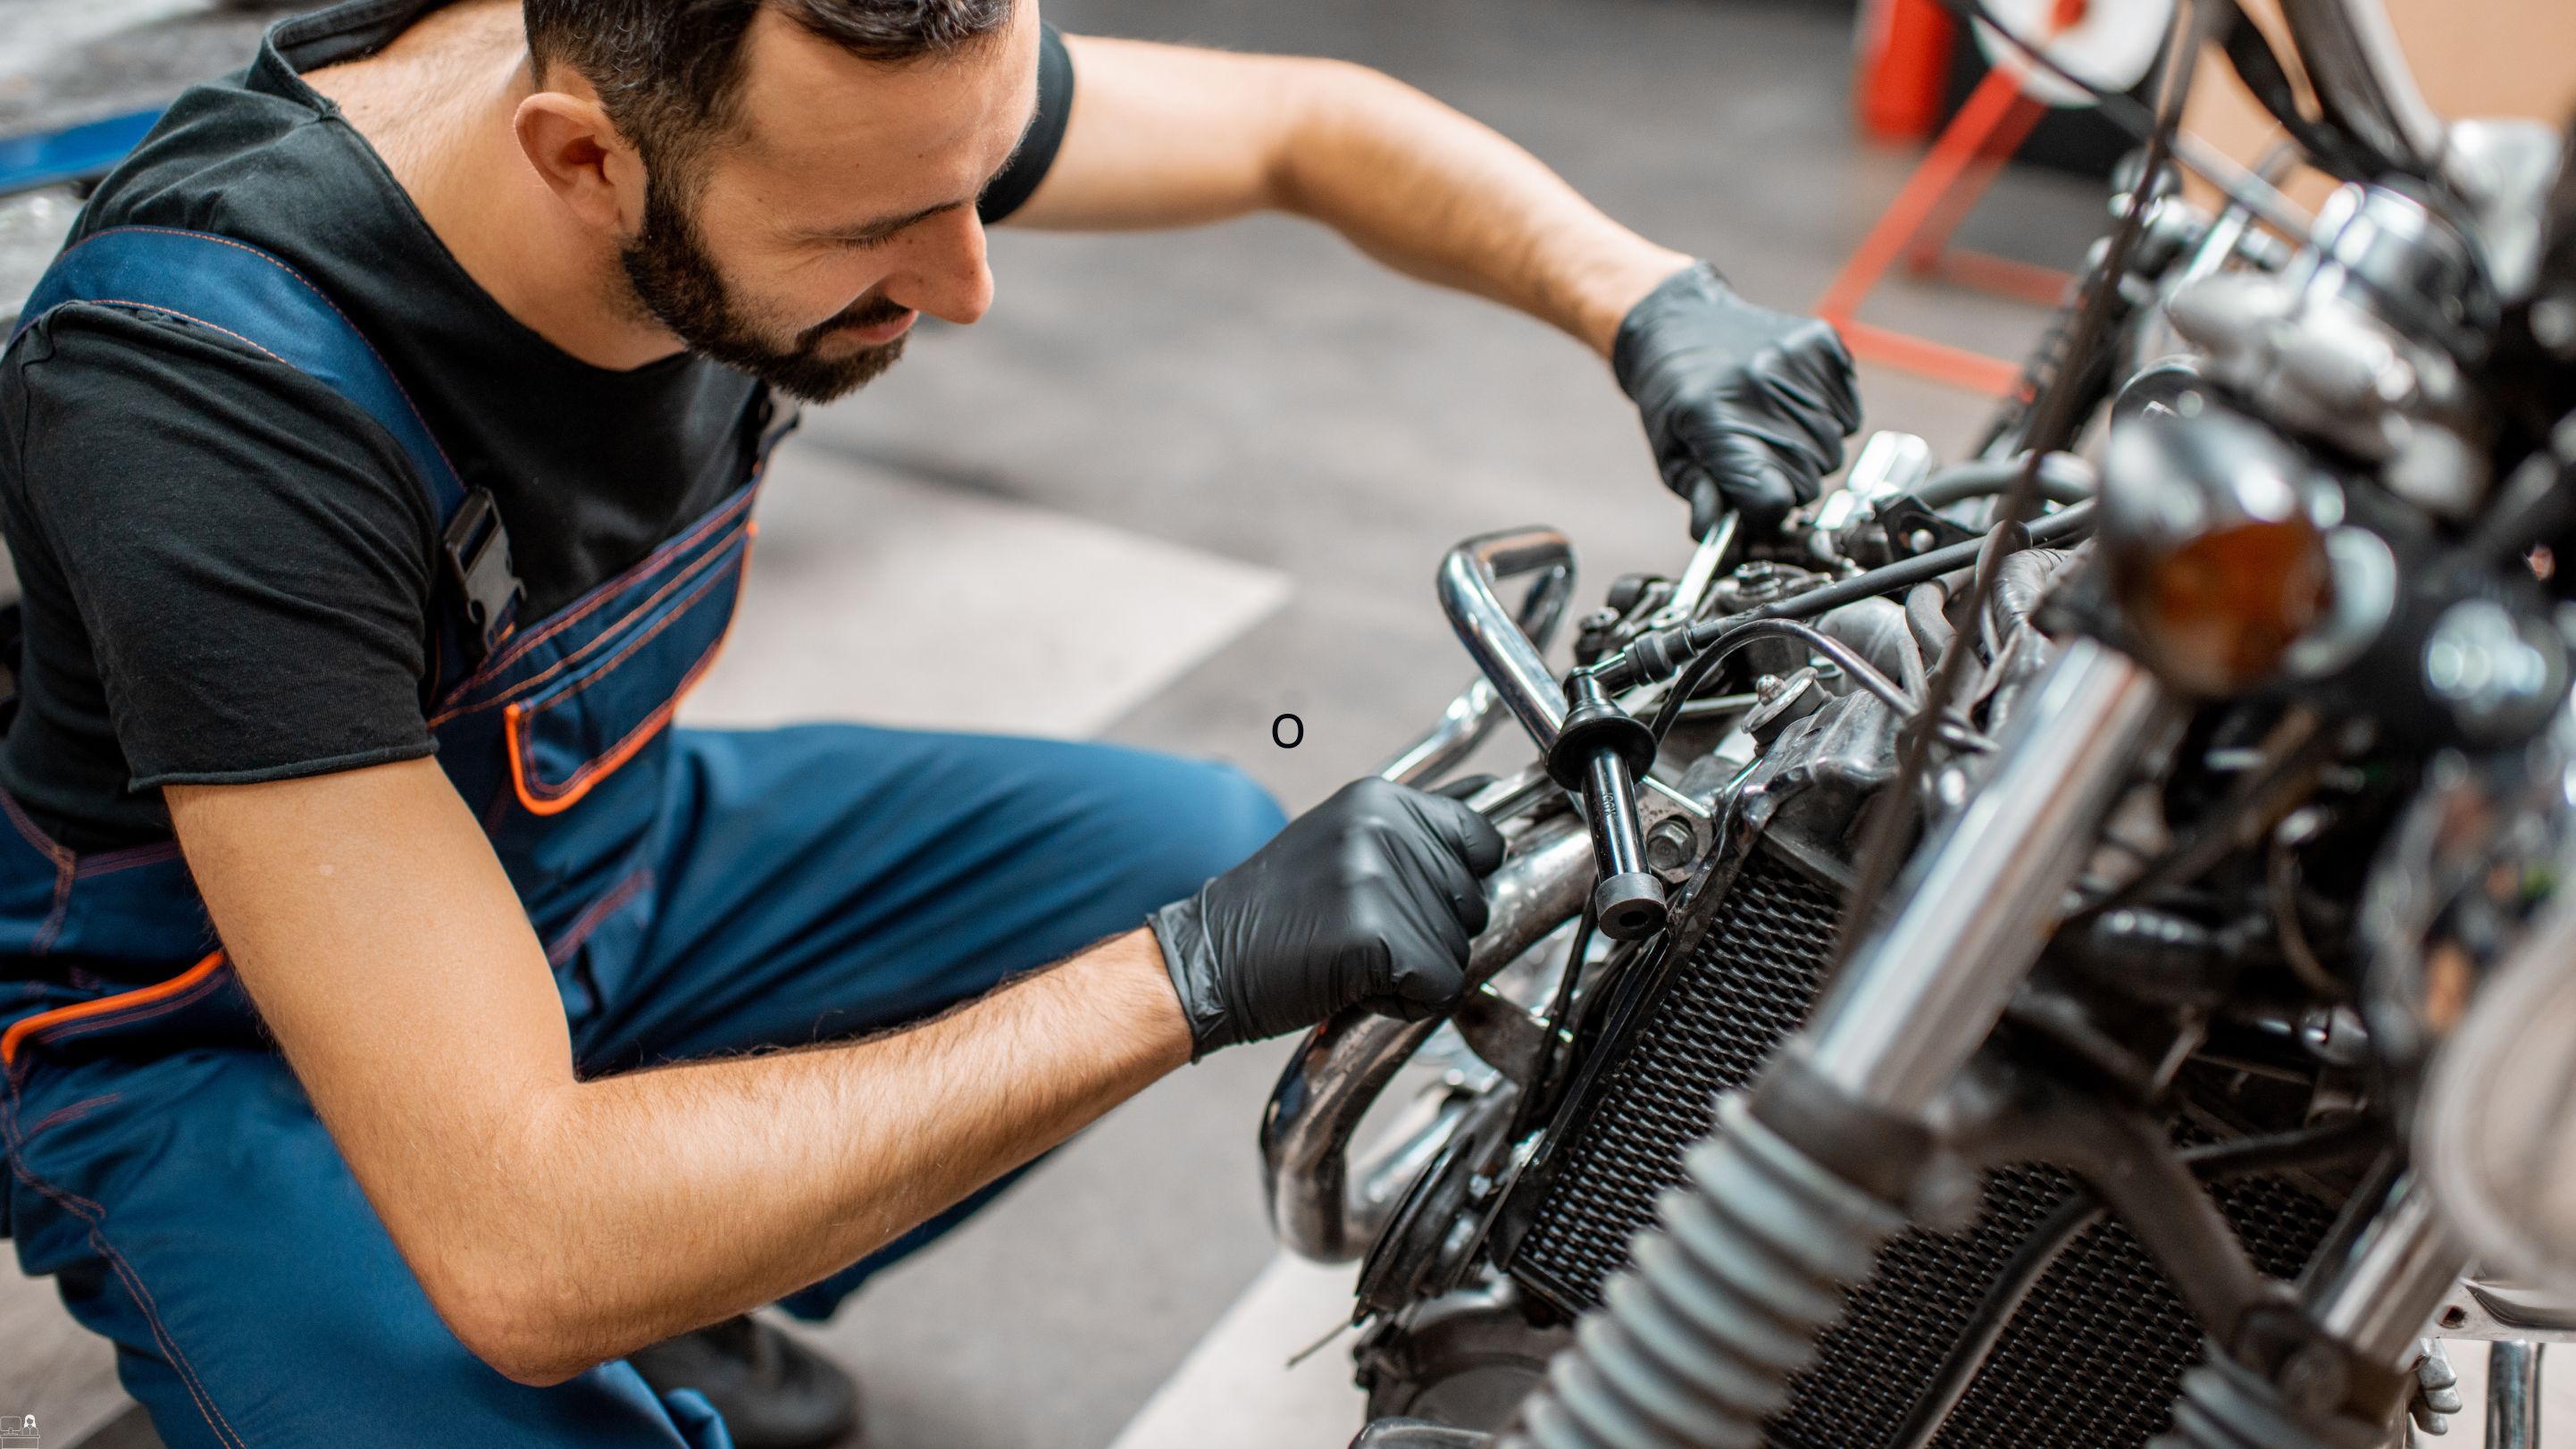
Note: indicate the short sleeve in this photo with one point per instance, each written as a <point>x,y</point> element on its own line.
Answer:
<point>1019,180</point>
<point>244,554</point>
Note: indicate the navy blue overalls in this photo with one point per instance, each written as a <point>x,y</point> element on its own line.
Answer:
<point>696,892</point>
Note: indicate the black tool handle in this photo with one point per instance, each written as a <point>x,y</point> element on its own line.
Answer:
<point>1600,752</point>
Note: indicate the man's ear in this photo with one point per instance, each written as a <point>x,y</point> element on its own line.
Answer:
<point>577,149</point>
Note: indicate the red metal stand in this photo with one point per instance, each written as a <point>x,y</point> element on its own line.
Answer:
<point>1969,154</point>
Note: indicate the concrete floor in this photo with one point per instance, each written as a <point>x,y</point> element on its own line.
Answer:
<point>1253,432</point>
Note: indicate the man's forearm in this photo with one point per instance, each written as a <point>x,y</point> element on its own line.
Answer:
<point>1444,198</point>
<point>661,1200</point>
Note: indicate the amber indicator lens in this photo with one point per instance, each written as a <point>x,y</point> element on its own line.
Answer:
<point>2217,612</point>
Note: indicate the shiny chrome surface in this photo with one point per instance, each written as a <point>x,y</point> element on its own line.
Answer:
<point>2389,255</point>
<point>1509,660</point>
<point>2378,1300</point>
<point>2505,167</point>
<point>1690,591</point>
<point>1462,727</point>
<point>2495,1309</point>
<point>1470,716</point>
<point>2513,1395</point>
<point>1317,1205</point>
<point>1925,989</point>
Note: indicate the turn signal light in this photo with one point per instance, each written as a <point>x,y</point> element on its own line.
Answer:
<point>2216,614</point>
<point>2215,532</point>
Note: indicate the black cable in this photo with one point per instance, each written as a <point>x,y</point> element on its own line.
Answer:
<point>1564,1000</point>
<point>2064,484</point>
<point>1548,1073</point>
<point>2124,111</point>
<point>1676,647</point>
<point>2053,425</point>
<point>1843,655</point>
<point>2262,796</point>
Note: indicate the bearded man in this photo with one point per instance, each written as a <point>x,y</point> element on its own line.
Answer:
<point>410,1036</point>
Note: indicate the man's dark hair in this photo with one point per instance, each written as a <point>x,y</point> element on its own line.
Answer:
<point>668,70</point>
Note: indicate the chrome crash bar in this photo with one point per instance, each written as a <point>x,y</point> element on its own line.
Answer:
<point>1317,1208</point>
<point>1503,647</point>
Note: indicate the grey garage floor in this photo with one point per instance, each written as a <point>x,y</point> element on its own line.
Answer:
<point>1282,440</point>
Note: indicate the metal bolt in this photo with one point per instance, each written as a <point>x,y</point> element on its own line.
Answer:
<point>1922,540</point>
<point>1767,688</point>
<point>1668,845</point>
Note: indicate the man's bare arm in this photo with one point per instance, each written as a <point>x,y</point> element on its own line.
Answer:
<point>555,1222</point>
<point>1170,136</point>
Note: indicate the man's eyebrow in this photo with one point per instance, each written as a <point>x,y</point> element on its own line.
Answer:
<point>883,227</point>
<point>876,231</point>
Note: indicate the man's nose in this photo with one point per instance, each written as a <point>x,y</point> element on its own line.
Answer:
<point>944,272</point>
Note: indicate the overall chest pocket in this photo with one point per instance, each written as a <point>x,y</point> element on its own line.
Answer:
<point>570,726</point>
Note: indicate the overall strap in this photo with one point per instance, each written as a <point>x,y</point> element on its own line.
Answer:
<point>260,301</point>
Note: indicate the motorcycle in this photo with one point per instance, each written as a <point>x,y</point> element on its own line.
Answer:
<point>2032,955</point>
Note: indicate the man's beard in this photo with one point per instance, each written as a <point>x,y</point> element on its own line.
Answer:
<point>680,286</point>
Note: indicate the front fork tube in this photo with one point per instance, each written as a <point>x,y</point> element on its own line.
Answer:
<point>1921,994</point>
<point>1805,1179</point>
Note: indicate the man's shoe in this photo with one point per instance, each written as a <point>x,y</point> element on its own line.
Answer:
<point>773,1392</point>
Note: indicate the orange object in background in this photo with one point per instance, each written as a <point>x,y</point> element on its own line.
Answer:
<point>1904,68</point>
<point>1916,227</point>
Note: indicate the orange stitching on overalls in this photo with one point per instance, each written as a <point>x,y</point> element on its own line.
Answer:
<point>82,867</point>
<point>635,884</point>
<point>190,317</point>
<point>53,851</point>
<point>562,797</point>
<point>28,1026</point>
<point>680,609</point>
<point>110,862</point>
<point>607,591</point>
<point>95,1217</point>
<point>53,926</point>
<point>325,299</point>
<point>15,1142</point>
<point>135,1012</point>
<point>694,573</point>
<point>72,1113</point>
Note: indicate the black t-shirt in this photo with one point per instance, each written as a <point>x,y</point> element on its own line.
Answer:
<point>228,570</point>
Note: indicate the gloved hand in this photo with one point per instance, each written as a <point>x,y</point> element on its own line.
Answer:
<point>1747,407</point>
<point>1370,898</point>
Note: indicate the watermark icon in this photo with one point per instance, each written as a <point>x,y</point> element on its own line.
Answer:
<point>18,1431</point>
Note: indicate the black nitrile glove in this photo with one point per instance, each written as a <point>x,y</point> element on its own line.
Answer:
<point>1747,407</point>
<point>1370,898</point>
